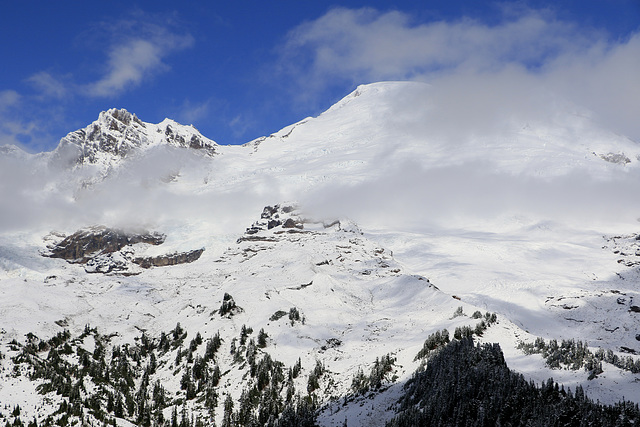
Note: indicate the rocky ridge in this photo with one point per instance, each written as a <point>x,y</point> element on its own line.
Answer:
<point>118,134</point>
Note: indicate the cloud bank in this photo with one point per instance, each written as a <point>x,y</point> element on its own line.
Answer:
<point>413,198</point>
<point>39,195</point>
<point>527,53</point>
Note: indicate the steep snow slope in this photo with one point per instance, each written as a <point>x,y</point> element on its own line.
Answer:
<point>511,216</point>
<point>393,123</point>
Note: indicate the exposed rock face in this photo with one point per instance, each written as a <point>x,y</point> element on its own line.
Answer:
<point>117,133</point>
<point>108,251</point>
<point>90,242</point>
<point>229,307</point>
<point>291,223</point>
<point>619,158</point>
<point>169,259</point>
<point>286,218</point>
<point>627,247</point>
<point>273,223</point>
<point>270,211</point>
<point>277,216</point>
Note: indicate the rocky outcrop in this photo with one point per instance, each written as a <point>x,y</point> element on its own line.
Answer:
<point>277,216</point>
<point>169,259</point>
<point>88,243</point>
<point>627,247</point>
<point>292,223</point>
<point>110,251</point>
<point>229,307</point>
<point>618,158</point>
<point>280,220</point>
<point>286,218</point>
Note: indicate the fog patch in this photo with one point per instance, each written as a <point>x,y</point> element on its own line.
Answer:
<point>523,66</point>
<point>162,189</point>
<point>407,195</point>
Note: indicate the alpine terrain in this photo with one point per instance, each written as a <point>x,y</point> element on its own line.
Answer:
<point>376,265</point>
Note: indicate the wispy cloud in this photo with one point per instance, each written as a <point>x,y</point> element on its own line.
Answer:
<point>8,98</point>
<point>365,44</point>
<point>532,49</point>
<point>135,49</point>
<point>192,112</point>
<point>12,127</point>
<point>135,57</point>
<point>49,85</point>
<point>240,124</point>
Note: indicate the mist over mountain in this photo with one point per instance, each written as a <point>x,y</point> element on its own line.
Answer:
<point>342,242</point>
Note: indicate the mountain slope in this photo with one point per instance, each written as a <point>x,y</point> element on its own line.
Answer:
<point>350,297</point>
<point>505,217</point>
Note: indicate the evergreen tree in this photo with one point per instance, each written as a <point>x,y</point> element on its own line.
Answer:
<point>262,339</point>
<point>464,384</point>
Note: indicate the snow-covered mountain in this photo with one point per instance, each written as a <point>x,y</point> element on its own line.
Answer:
<point>118,133</point>
<point>404,224</point>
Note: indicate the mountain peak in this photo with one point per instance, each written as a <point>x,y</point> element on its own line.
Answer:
<point>377,89</point>
<point>119,114</point>
<point>118,133</point>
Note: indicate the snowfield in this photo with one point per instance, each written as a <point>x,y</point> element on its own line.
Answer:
<point>399,219</point>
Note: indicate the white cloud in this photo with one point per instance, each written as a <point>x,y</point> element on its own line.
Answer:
<point>42,197</point>
<point>134,58</point>
<point>410,197</point>
<point>135,49</point>
<point>191,112</point>
<point>11,125</point>
<point>240,124</point>
<point>49,85</point>
<point>368,44</point>
<point>519,66</point>
<point>605,80</point>
<point>8,98</point>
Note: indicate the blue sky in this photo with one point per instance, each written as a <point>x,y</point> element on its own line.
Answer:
<point>240,70</point>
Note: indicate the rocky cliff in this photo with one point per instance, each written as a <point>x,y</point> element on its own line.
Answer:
<point>106,250</point>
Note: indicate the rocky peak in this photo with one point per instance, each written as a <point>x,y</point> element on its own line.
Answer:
<point>121,115</point>
<point>118,133</point>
